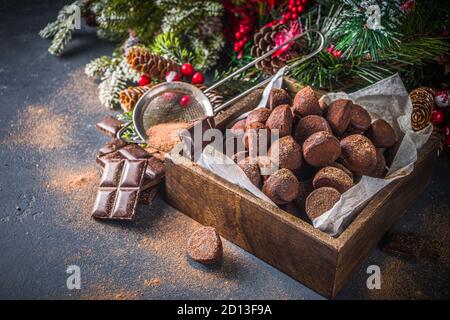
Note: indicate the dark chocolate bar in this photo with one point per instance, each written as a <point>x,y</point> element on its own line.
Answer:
<point>109,126</point>
<point>154,173</point>
<point>113,145</point>
<point>147,196</point>
<point>119,190</point>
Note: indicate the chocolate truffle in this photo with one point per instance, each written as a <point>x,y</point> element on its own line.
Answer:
<point>281,119</point>
<point>281,187</point>
<point>286,152</point>
<point>205,246</point>
<point>334,178</point>
<point>308,125</point>
<point>358,154</point>
<point>320,201</point>
<point>251,170</point>
<point>380,167</point>
<point>359,119</point>
<point>321,149</point>
<point>381,134</point>
<point>338,115</point>
<point>306,103</point>
<point>343,168</point>
<point>266,166</point>
<point>253,135</point>
<point>258,115</point>
<point>278,97</point>
<point>238,128</point>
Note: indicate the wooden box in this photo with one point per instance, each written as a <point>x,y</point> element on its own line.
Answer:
<point>317,260</point>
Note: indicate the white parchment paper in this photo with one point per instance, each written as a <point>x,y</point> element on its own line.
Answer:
<point>387,99</point>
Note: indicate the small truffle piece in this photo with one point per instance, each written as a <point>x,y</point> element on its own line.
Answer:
<point>286,152</point>
<point>306,103</point>
<point>338,115</point>
<point>281,119</point>
<point>258,115</point>
<point>238,128</point>
<point>251,170</point>
<point>381,134</point>
<point>380,167</point>
<point>321,149</point>
<point>278,97</point>
<point>281,187</point>
<point>320,201</point>
<point>308,125</point>
<point>343,168</point>
<point>358,154</point>
<point>334,178</point>
<point>205,246</point>
<point>359,119</point>
<point>253,138</point>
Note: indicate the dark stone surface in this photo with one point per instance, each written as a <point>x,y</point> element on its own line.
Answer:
<point>43,231</point>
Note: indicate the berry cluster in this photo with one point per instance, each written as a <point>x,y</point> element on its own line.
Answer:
<point>186,70</point>
<point>334,52</point>
<point>294,10</point>
<point>244,27</point>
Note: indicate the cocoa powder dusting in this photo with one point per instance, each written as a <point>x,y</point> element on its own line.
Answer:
<point>164,136</point>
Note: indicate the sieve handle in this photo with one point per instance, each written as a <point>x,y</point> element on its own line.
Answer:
<point>122,130</point>
<point>264,56</point>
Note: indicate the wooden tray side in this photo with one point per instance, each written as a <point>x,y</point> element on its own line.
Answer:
<point>278,238</point>
<point>361,237</point>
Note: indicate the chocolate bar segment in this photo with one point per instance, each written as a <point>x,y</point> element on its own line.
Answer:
<point>109,126</point>
<point>119,189</point>
<point>113,145</point>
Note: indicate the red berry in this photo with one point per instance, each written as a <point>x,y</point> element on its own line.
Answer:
<point>305,1</point>
<point>287,16</point>
<point>187,69</point>
<point>294,16</point>
<point>185,101</point>
<point>198,78</point>
<point>144,80</point>
<point>172,76</point>
<point>330,49</point>
<point>300,9</point>
<point>238,35</point>
<point>437,116</point>
<point>283,21</point>
<point>294,9</point>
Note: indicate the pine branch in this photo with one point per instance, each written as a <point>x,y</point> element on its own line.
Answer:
<point>168,45</point>
<point>98,67</point>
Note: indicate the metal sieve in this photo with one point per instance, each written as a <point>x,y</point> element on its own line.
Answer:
<point>164,103</point>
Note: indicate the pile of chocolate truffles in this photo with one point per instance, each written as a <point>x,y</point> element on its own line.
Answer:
<point>323,150</point>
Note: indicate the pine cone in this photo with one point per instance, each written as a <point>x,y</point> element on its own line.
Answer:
<point>129,97</point>
<point>423,104</point>
<point>214,97</point>
<point>264,41</point>
<point>153,65</point>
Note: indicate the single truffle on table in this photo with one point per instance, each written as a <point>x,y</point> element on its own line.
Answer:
<point>278,97</point>
<point>306,103</point>
<point>308,125</point>
<point>381,134</point>
<point>358,154</point>
<point>339,115</point>
<point>286,152</point>
<point>334,178</point>
<point>205,246</point>
<point>251,170</point>
<point>321,149</point>
<point>281,187</point>
<point>320,201</point>
<point>380,167</point>
<point>281,119</point>
<point>360,119</point>
<point>258,115</point>
<point>254,136</point>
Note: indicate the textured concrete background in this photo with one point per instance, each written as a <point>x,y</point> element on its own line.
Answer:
<point>44,229</point>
